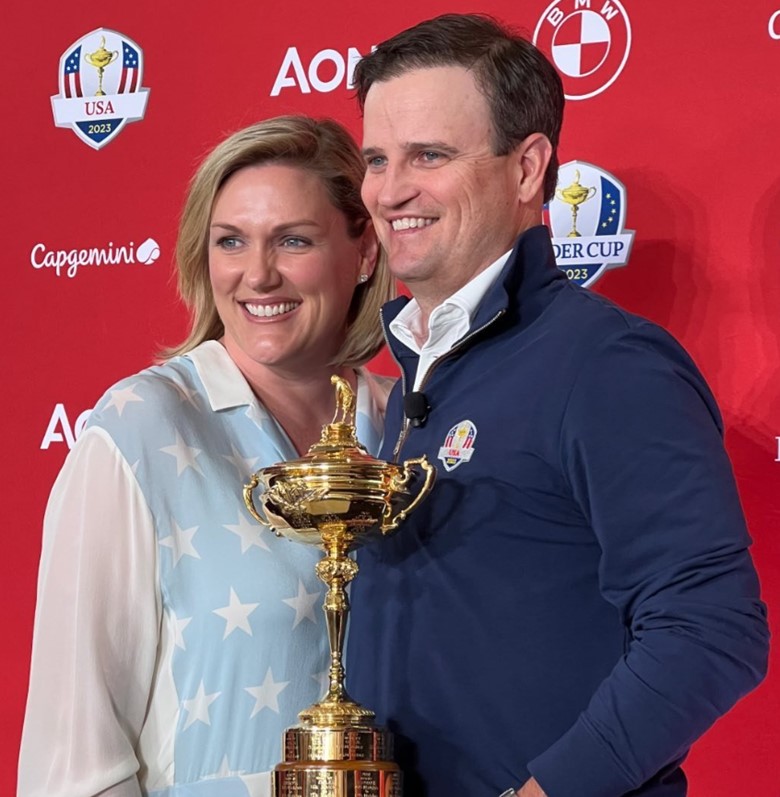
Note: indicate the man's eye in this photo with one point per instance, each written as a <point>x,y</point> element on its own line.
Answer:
<point>429,156</point>
<point>377,162</point>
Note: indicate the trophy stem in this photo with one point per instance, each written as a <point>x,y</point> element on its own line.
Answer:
<point>336,570</point>
<point>574,233</point>
<point>100,92</point>
<point>336,607</point>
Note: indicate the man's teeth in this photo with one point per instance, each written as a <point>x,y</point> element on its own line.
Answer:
<point>411,223</point>
<point>268,310</point>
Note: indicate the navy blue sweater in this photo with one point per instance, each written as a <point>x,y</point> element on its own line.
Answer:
<point>576,600</point>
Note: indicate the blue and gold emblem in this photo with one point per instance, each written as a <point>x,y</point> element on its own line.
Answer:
<point>587,221</point>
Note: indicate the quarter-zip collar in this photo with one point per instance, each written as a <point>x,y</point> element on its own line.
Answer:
<point>529,270</point>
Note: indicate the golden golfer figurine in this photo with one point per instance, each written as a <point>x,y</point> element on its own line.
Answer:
<point>337,497</point>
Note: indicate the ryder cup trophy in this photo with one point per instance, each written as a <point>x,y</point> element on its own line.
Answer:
<point>337,497</point>
<point>574,195</point>
<point>100,59</point>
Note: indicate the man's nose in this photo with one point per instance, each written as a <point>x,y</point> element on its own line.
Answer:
<point>396,186</point>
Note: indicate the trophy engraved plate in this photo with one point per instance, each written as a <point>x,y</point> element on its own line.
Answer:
<point>337,497</point>
<point>346,744</point>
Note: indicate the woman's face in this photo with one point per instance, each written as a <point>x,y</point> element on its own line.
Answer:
<point>283,268</point>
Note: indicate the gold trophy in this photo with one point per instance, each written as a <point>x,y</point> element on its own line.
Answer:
<point>100,59</point>
<point>574,195</point>
<point>338,497</point>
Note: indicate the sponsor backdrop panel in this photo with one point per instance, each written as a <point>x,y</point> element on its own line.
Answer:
<point>667,179</point>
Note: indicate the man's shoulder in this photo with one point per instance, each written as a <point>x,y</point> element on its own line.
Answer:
<point>587,306</point>
<point>589,319</point>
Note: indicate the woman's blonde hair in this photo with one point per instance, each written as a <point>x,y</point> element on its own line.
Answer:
<point>321,146</point>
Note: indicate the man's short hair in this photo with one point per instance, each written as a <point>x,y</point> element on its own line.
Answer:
<point>523,90</point>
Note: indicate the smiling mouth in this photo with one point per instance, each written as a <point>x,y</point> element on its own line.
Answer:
<point>270,310</point>
<point>410,223</point>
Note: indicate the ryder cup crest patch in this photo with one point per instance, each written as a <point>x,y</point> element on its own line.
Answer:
<point>587,218</point>
<point>100,77</point>
<point>458,445</point>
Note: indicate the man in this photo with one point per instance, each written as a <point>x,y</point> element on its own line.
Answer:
<point>574,604</point>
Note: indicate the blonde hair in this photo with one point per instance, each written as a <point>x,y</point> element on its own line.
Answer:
<point>321,146</point>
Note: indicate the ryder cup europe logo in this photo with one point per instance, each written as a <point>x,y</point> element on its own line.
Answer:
<point>589,43</point>
<point>100,87</point>
<point>587,219</point>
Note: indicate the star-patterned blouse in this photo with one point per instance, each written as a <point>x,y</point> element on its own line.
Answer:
<point>175,638</point>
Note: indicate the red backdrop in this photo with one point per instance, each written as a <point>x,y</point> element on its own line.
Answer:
<point>678,103</point>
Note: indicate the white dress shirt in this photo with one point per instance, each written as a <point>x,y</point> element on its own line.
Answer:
<point>448,322</point>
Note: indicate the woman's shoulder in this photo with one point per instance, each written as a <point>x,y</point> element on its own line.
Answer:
<point>157,392</point>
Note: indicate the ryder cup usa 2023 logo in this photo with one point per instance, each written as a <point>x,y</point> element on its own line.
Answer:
<point>458,445</point>
<point>587,220</point>
<point>100,78</point>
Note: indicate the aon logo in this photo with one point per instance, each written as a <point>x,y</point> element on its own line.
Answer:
<point>328,70</point>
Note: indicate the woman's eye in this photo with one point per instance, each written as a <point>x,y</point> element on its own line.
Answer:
<point>228,242</point>
<point>295,242</point>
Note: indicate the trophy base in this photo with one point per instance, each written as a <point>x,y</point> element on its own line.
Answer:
<point>337,762</point>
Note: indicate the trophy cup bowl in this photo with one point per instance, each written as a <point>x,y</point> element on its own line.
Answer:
<point>337,497</point>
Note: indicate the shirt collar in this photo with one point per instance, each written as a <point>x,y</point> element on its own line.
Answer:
<point>457,310</point>
<point>223,382</point>
<point>226,387</point>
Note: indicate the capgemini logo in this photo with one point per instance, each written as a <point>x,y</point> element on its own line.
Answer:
<point>148,252</point>
<point>70,261</point>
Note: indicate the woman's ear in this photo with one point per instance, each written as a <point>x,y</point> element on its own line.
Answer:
<point>369,251</point>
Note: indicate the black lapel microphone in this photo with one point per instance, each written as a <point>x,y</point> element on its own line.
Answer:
<point>416,407</point>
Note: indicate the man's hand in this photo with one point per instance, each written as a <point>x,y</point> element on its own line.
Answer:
<point>531,789</point>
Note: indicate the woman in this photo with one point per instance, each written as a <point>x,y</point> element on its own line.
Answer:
<point>175,638</point>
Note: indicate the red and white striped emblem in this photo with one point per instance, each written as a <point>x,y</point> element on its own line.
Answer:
<point>589,43</point>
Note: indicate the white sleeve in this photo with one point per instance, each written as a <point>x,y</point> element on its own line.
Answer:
<point>97,624</point>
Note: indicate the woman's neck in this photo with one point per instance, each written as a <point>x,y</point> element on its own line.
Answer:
<point>301,402</point>
<point>303,406</point>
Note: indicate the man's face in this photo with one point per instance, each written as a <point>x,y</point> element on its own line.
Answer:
<point>443,205</point>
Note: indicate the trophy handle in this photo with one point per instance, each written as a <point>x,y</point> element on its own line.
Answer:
<point>249,501</point>
<point>591,192</point>
<point>390,523</point>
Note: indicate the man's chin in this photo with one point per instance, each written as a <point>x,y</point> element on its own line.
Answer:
<point>410,269</point>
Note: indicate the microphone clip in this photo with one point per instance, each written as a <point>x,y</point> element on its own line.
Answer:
<point>416,408</point>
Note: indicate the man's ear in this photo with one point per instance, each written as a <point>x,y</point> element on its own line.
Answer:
<point>532,156</point>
